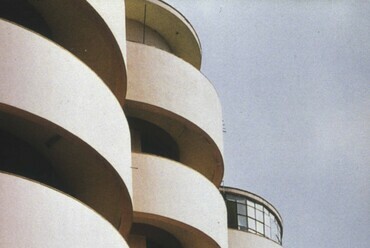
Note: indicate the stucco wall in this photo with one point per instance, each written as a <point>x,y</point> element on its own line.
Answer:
<point>179,199</point>
<point>177,97</point>
<point>35,216</point>
<point>43,83</point>
<point>241,239</point>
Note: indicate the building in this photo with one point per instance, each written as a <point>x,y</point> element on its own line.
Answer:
<point>110,135</point>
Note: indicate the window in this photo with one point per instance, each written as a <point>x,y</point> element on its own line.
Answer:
<point>246,215</point>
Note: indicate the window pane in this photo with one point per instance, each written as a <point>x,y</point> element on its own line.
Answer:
<point>249,203</point>
<point>231,214</point>
<point>259,207</point>
<point>279,238</point>
<point>230,197</point>
<point>237,198</point>
<point>251,223</point>
<point>274,231</point>
<point>260,227</point>
<point>242,209</point>
<point>251,212</point>
<point>259,215</point>
<point>267,220</point>
<point>242,221</point>
<point>267,232</point>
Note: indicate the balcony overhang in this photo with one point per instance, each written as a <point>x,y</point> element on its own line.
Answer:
<point>170,24</point>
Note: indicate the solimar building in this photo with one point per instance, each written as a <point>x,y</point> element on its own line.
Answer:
<point>110,135</point>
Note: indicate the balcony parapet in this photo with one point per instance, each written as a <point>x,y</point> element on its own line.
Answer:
<point>34,215</point>
<point>178,200</point>
<point>92,30</point>
<point>169,24</point>
<point>176,97</point>
<point>53,101</point>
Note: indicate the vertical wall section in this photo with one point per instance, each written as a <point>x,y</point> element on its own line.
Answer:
<point>176,125</point>
<point>64,138</point>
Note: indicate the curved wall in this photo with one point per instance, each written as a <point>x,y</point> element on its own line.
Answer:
<point>179,200</point>
<point>177,97</point>
<point>138,32</point>
<point>169,24</point>
<point>240,239</point>
<point>174,85</point>
<point>113,13</point>
<point>33,215</point>
<point>93,31</point>
<point>55,94</point>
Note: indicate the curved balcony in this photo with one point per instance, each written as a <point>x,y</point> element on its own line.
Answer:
<point>258,223</point>
<point>114,14</point>
<point>178,98</point>
<point>52,101</point>
<point>33,215</point>
<point>93,30</point>
<point>178,200</point>
<point>176,31</point>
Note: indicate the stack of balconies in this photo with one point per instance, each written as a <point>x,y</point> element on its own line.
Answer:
<point>175,118</point>
<point>67,177</point>
<point>65,156</point>
<point>107,141</point>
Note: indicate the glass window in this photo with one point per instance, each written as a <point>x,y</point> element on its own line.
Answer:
<point>267,232</point>
<point>251,223</point>
<point>230,198</point>
<point>260,227</point>
<point>242,209</point>
<point>259,215</point>
<point>247,215</point>
<point>231,214</point>
<point>251,212</point>
<point>242,221</point>
<point>267,220</point>
<point>274,231</point>
<point>259,207</point>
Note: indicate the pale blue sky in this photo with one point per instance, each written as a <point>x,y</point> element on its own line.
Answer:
<point>294,83</point>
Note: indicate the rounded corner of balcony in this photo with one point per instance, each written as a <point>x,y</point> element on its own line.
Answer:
<point>31,203</point>
<point>81,27</point>
<point>39,120</point>
<point>196,148</point>
<point>164,197</point>
<point>170,24</point>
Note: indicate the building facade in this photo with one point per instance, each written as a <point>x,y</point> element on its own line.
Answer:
<point>110,135</point>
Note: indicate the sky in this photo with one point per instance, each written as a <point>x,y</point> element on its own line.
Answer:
<point>294,81</point>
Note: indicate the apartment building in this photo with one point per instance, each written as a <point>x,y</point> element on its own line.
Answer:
<point>111,136</point>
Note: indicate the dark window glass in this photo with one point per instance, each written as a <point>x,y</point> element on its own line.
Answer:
<point>231,214</point>
<point>242,209</point>
<point>154,140</point>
